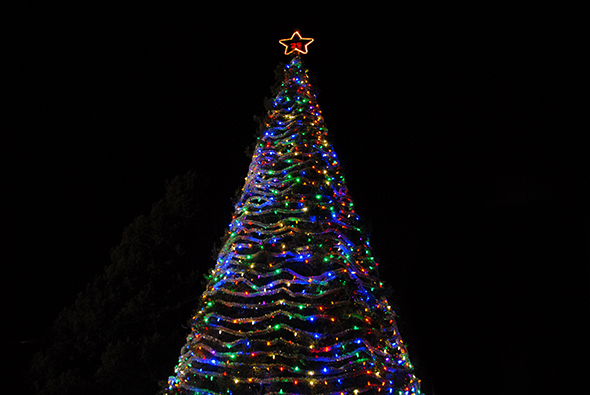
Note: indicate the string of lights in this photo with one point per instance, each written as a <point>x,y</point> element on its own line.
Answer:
<point>294,304</point>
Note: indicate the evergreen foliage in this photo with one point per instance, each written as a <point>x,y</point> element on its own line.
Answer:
<point>123,330</point>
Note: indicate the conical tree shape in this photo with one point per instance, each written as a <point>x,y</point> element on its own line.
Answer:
<point>294,304</point>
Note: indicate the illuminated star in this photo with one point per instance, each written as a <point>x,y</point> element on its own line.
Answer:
<point>296,44</point>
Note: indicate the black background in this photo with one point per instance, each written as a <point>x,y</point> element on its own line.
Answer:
<point>457,127</point>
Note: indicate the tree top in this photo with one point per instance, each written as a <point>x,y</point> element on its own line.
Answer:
<point>296,44</point>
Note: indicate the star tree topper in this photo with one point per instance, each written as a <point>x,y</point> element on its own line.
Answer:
<point>296,44</point>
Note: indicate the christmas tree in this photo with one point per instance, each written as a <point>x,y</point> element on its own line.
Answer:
<point>294,304</point>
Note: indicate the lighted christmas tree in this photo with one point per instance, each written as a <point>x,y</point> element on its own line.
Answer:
<point>294,304</point>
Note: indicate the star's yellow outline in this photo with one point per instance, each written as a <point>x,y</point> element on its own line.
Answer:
<point>287,52</point>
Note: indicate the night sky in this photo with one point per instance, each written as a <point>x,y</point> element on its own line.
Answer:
<point>456,127</point>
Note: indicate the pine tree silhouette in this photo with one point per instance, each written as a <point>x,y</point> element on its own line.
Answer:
<point>294,304</point>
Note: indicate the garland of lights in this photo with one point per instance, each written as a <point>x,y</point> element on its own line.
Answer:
<point>294,304</point>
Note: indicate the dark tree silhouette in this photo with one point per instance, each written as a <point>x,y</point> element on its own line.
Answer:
<point>128,322</point>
